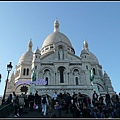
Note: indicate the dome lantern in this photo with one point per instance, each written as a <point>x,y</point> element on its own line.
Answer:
<point>56,25</point>
<point>30,45</point>
<point>85,46</point>
<point>56,37</point>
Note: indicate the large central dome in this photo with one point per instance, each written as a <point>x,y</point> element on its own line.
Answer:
<point>56,36</point>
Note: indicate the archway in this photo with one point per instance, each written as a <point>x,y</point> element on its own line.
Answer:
<point>86,100</point>
<point>61,70</point>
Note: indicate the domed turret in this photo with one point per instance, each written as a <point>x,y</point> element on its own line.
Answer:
<point>37,51</point>
<point>85,53</point>
<point>27,56</point>
<point>36,55</point>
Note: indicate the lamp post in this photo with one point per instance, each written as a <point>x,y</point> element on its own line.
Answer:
<point>0,77</point>
<point>9,68</point>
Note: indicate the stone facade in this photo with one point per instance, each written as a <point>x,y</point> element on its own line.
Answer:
<point>57,64</point>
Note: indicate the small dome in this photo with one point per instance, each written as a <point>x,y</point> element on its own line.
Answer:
<point>84,51</point>
<point>55,38</point>
<point>93,58</point>
<point>26,57</point>
<point>37,51</point>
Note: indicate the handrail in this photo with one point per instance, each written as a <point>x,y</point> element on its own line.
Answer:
<point>6,110</point>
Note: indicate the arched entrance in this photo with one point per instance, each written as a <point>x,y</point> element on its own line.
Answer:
<point>83,98</point>
<point>86,97</point>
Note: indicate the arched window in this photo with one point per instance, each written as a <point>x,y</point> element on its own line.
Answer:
<point>24,71</point>
<point>61,70</point>
<point>86,67</point>
<point>76,80</point>
<point>27,71</point>
<point>47,75</point>
<point>46,79</point>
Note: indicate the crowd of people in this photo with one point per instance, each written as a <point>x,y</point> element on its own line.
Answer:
<point>79,105</point>
<point>108,108</point>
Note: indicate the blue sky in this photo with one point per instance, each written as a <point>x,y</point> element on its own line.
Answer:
<point>97,22</point>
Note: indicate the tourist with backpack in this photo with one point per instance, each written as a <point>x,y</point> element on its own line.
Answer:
<point>44,104</point>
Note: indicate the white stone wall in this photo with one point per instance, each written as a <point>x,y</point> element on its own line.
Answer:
<point>61,54</point>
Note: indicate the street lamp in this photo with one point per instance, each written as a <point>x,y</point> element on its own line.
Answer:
<point>0,77</point>
<point>9,68</point>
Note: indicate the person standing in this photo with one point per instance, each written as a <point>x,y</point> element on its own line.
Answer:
<point>64,96</point>
<point>80,100</point>
<point>88,102</point>
<point>67,102</point>
<point>9,99</point>
<point>44,104</point>
<point>95,97</point>
<point>107,99</point>
<point>101,99</point>
<point>15,105</point>
<point>36,98</point>
<point>55,98</point>
<point>73,94</point>
<point>76,109</point>
<point>31,100</point>
<point>39,103</point>
<point>115,99</point>
<point>26,100</point>
<point>60,102</point>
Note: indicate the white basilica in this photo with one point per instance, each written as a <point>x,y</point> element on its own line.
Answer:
<point>57,64</point>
